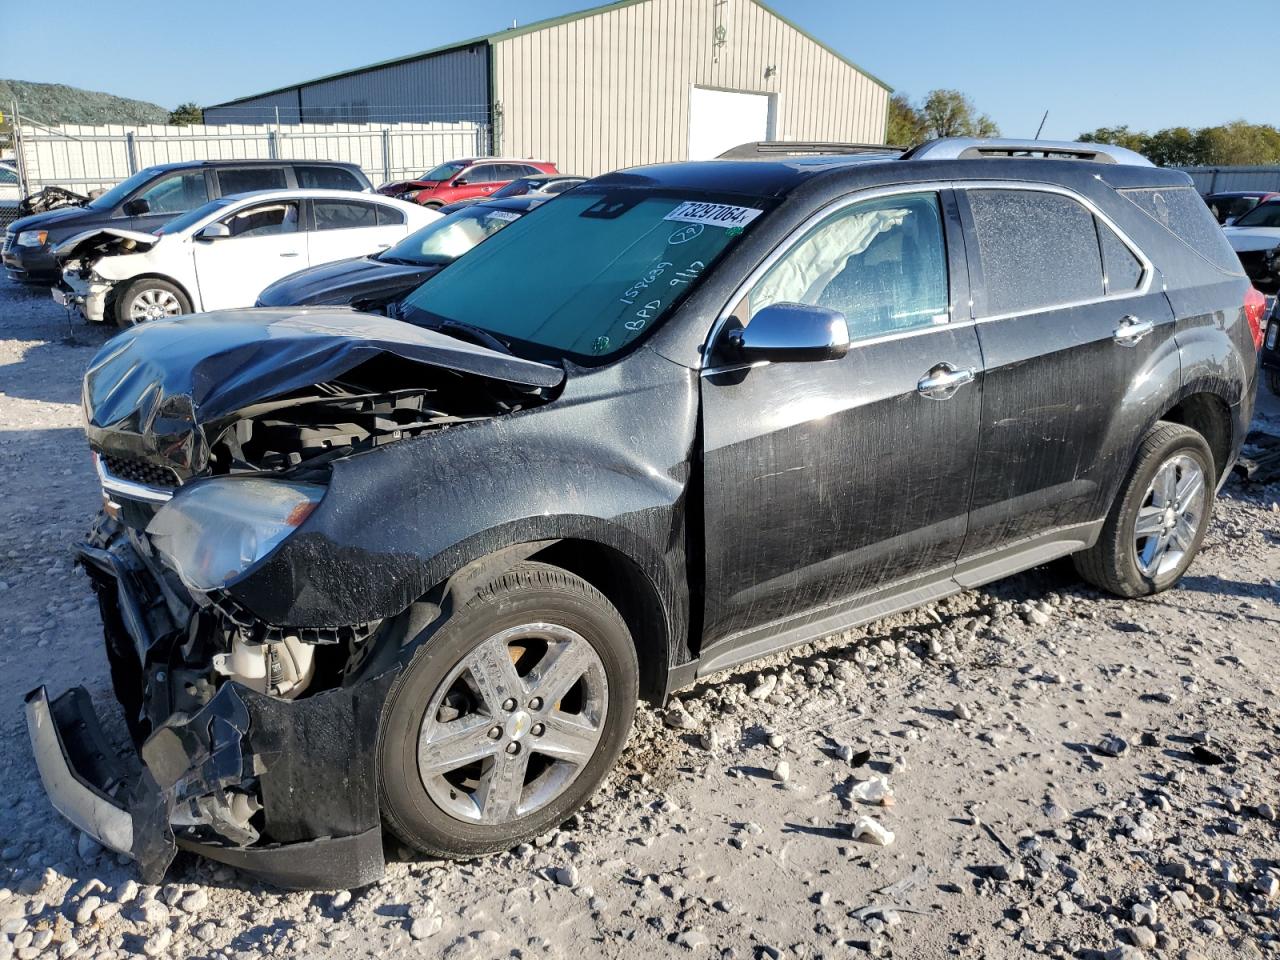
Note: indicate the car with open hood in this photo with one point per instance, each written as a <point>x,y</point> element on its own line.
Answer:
<point>380,279</point>
<point>360,573</point>
<point>225,252</point>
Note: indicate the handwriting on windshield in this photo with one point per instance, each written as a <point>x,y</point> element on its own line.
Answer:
<point>652,308</point>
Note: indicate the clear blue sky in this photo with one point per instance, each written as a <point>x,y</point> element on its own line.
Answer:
<point>1090,63</point>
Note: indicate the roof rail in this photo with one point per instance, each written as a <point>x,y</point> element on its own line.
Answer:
<point>758,149</point>
<point>974,148</point>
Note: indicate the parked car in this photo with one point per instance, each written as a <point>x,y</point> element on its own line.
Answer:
<point>1255,237</point>
<point>10,192</point>
<point>156,195</point>
<point>678,418</point>
<point>1270,356</point>
<point>380,279</point>
<point>224,253</point>
<point>1230,206</point>
<point>461,179</point>
<point>544,185</point>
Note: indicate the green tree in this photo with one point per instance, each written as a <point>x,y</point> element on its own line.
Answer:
<point>907,125</point>
<point>1118,137</point>
<point>1239,144</point>
<point>949,113</point>
<point>1175,147</point>
<point>185,115</point>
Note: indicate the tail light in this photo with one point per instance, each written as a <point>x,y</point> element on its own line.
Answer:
<point>1255,308</point>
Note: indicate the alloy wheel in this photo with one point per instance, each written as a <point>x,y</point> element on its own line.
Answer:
<point>153,304</point>
<point>513,724</point>
<point>1170,516</point>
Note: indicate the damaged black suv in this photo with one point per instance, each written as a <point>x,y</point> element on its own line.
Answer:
<point>358,571</point>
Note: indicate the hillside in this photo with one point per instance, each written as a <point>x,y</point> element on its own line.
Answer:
<point>58,103</point>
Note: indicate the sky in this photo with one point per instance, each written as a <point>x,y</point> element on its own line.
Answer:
<point>1144,63</point>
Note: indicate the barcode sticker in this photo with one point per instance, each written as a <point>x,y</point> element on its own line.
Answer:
<point>712,214</point>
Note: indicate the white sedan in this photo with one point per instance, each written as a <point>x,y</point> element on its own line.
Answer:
<point>222,255</point>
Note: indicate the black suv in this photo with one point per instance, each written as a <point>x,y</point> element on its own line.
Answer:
<point>156,195</point>
<point>357,572</point>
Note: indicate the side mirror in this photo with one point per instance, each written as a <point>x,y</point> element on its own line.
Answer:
<point>461,182</point>
<point>791,331</point>
<point>137,207</point>
<point>1229,222</point>
<point>214,231</point>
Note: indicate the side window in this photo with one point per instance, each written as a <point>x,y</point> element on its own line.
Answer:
<point>326,178</point>
<point>251,178</point>
<point>1038,250</point>
<point>7,176</point>
<point>883,264</point>
<point>390,216</point>
<point>1181,211</point>
<point>482,173</point>
<point>266,221</point>
<point>343,214</point>
<point>1122,271</point>
<point>176,194</point>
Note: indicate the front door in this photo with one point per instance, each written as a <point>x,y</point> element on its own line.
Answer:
<point>265,244</point>
<point>828,480</point>
<point>1070,318</point>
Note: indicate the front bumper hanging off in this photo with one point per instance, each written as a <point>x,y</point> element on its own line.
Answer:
<point>309,764</point>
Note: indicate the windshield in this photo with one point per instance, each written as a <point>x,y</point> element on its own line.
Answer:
<point>1263,215</point>
<point>446,171</point>
<point>449,238</point>
<point>1224,208</point>
<point>121,190</point>
<point>589,274</point>
<point>180,223</point>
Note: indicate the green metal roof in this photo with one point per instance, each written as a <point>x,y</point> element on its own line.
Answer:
<point>512,32</point>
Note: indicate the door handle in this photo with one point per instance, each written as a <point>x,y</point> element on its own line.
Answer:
<point>1131,330</point>
<point>942,382</point>
<point>384,246</point>
<point>293,254</point>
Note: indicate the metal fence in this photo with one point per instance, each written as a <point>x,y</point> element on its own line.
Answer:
<point>1224,179</point>
<point>87,158</point>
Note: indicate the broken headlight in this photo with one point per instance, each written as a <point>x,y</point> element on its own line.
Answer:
<point>213,531</point>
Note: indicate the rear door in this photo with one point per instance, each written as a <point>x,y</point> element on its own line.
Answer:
<point>349,228</point>
<point>1071,317</point>
<point>829,480</point>
<point>266,243</point>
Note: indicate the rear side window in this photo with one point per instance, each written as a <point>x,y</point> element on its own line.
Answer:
<point>343,215</point>
<point>390,216</point>
<point>268,221</point>
<point>251,178</point>
<point>327,178</point>
<point>1038,250</point>
<point>1181,211</point>
<point>1122,270</point>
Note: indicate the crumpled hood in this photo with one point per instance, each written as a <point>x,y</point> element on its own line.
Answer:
<point>53,218</point>
<point>164,390</point>
<point>1248,239</point>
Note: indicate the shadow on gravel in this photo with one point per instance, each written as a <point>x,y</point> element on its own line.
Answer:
<point>1219,586</point>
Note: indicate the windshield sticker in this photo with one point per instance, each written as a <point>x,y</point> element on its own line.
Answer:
<point>508,216</point>
<point>712,214</point>
<point>685,234</point>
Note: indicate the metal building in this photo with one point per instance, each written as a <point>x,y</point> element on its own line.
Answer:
<point>636,81</point>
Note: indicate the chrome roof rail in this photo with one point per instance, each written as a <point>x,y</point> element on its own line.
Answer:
<point>975,148</point>
<point>758,149</point>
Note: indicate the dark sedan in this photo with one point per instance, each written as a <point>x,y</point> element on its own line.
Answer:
<point>372,282</point>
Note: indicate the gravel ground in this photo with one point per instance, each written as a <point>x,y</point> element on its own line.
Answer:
<point>1033,767</point>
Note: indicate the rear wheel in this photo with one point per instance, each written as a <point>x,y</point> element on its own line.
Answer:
<point>509,716</point>
<point>1159,518</point>
<point>149,298</point>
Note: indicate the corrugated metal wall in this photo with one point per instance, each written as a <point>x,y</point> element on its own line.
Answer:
<point>449,86</point>
<point>1225,179</point>
<point>612,89</point>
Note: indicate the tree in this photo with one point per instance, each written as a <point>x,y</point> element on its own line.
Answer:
<point>949,113</point>
<point>185,115</point>
<point>907,125</point>
<point>1120,136</point>
<point>1230,144</point>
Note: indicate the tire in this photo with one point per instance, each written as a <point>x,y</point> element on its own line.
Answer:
<point>1273,380</point>
<point>152,296</point>
<point>433,205</point>
<point>447,812</point>
<point>1128,566</point>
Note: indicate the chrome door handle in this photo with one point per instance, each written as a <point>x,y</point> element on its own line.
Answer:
<point>942,382</point>
<point>1131,330</point>
<point>289,254</point>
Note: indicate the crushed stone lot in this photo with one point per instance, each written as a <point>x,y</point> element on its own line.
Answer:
<point>1029,768</point>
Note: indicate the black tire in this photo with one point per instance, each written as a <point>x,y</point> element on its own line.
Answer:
<point>1112,563</point>
<point>142,287</point>
<point>1273,380</point>
<point>530,592</point>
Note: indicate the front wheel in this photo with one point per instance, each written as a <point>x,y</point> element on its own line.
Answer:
<point>149,298</point>
<point>1159,518</point>
<point>509,716</point>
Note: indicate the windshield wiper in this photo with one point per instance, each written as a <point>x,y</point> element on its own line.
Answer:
<point>485,338</point>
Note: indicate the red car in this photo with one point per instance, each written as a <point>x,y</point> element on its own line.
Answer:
<point>464,179</point>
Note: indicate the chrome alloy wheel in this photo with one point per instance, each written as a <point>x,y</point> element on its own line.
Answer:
<point>1170,516</point>
<point>153,304</point>
<point>513,723</point>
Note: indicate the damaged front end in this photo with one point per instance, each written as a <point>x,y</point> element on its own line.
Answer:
<point>82,288</point>
<point>256,741</point>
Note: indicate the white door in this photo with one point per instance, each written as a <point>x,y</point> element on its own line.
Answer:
<point>349,228</point>
<point>265,244</point>
<point>720,119</point>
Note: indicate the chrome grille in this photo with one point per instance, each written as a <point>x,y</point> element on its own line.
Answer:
<point>140,471</point>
